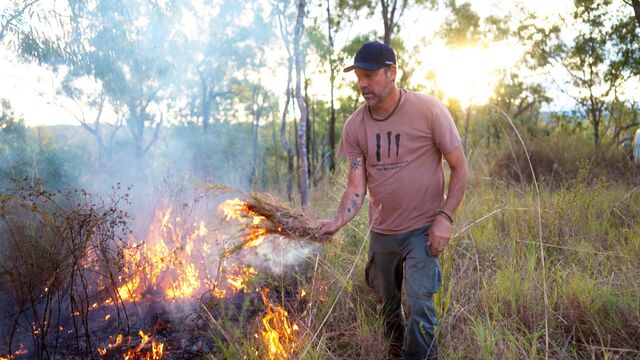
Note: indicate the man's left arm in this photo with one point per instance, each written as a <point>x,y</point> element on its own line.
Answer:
<point>440,232</point>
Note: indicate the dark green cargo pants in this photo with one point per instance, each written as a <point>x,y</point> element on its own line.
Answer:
<point>405,258</point>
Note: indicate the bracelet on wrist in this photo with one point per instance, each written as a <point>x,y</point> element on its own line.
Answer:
<point>446,216</point>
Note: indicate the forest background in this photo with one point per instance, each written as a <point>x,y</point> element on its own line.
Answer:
<point>165,95</point>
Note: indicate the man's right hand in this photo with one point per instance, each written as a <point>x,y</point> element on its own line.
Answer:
<point>327,227</point>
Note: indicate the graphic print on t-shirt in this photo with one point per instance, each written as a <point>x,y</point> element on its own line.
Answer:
<point>392,162</point>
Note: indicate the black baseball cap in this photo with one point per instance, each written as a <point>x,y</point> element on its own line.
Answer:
<point>373,56</point>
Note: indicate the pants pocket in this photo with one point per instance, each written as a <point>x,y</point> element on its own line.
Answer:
<point>423,280</point>
<point>424,277</point>
<point>368,273</point>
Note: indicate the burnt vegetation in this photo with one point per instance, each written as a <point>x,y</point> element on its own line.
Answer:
<point>55,247</point>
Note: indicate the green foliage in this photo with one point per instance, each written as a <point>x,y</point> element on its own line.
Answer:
<point>35,155</point>
<point>463,27</point>
<point>600,57</point>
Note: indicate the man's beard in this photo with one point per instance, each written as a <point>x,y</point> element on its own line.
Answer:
<point>378,98</point>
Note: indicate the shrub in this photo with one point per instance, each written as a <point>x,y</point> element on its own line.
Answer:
<point>559,157</point>
<point>54,247</point>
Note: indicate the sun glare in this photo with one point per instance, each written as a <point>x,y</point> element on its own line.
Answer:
<point>470,74</point>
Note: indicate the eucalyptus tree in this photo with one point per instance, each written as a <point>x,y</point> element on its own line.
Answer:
<point>226,49</point>
<point>598,49</point>
<point>391,11</point>
<point>23,27</point>
<point>281,9</point>
<point>119,45</point>
<point>636,9</point>
<point>298,31</point>
<point>258,102</point>
<point>122,46</point>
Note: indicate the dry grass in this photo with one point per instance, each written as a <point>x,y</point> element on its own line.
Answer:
<point>558,158</point>
<point>275,217</point>
<point>284,219</point>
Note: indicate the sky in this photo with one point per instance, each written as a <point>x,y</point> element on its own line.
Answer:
<point>468,74</point>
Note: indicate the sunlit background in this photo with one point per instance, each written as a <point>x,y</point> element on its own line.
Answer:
<point>468,73</point>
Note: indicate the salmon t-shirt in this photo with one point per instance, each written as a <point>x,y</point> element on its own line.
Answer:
<point>403,158</point>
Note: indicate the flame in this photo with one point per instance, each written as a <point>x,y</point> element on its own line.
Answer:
<point>165,261</point>
<point>238,210</point>
<point>21,351</point>
<point>239,282</point>
<point>219,293</point>
<point>233,209</point>
<point>127,291</point>
<point>236,279</point>
<point>141,351</point>
<point>137,353</point>
<point>277,332</point>
<point>187,282</point>
<point>117,343</point>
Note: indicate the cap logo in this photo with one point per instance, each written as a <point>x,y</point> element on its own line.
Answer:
<point>389,62</point>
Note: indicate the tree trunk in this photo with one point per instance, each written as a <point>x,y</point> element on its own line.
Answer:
<point>282,21</point>
<point>594,112</point>
<point>595,123</point>
<point>388,18</point>
<point>636,9</point>
<point>256,124</point>
<point>135,122</point>
<point>332,114</point>
<point>274,138</point>
<point>296,145</point>
<point>205,105</point>
<point>302,129</point>
<point>285,142</point>
<point>310,129</point>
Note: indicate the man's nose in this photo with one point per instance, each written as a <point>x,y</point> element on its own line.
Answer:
<point>363,83</point>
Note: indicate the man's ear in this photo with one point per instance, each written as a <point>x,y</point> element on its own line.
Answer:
<point>393,69</point>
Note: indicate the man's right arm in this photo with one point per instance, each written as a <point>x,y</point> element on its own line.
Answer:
<point>352,198</point>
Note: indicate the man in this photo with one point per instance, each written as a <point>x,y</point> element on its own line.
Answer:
<point>395,143</point>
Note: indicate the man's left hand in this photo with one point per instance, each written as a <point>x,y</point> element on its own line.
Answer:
<point>439,235</point>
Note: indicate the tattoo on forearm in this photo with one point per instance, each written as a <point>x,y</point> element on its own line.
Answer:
<point>354,203</point>
<point>355,164</point>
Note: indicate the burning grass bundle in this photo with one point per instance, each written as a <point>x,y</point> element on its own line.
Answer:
<point>284,220</point>
<point>263,214</point>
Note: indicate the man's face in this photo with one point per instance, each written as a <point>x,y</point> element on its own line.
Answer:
<point>375,85</point>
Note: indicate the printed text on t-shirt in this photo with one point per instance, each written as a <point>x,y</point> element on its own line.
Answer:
<point>389,165</point>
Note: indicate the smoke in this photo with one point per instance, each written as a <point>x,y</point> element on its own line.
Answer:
<point>278,254</point>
